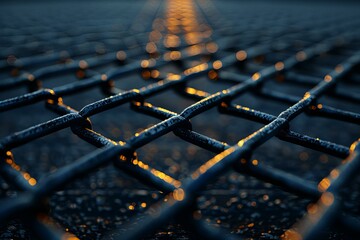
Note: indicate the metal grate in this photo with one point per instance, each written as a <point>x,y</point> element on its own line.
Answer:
<point>189,41</point>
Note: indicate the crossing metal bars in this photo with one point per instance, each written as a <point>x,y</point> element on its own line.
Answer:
<point>221,64</point>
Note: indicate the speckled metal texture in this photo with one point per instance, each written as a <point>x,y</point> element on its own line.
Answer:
<point>179,119</point>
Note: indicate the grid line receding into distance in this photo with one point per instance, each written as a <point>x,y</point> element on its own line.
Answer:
<point>194,38</point>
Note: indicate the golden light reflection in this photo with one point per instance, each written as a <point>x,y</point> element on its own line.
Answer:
<point>172,55</point>
<point>307,95</point>
<point>339,68</point>
<point>196,69</point>
<point>155,74</point>
<point>327,199</point>
<point>179,194</point>
<point>151,47</point>
<point>146,74</point>
<point>157,173</point>
<point>291,234</point>
<point>213,75</point>
<point>9,160</point>
<point>354,145</point>
<point>171,41</point>
<point>256,76</point>
<point>217,64</point>
<point>32,181</point>
<point>194,50</point>
<point>328,78</point>
<point>324,184</point>
<point>312,208</point>
<point>173,77</point>
<point>194,91</point>
<point>279,66</point>
<point>71,237</point>
<point>148,63</point>
<point>211,47</point>
<point>212,162</point>
<point>241,55</point>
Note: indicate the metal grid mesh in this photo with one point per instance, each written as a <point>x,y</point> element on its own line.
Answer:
<point>194,38</point>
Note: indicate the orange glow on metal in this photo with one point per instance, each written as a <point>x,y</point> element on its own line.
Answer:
<point>279,66</point>
<point>255,162</point>
<point>328,78</point>
<point>32,181</point>
<point>196,69</point>
<point>146,74</point>
<point>194,91</point>
<point>212,162</point>
<point>26,176</point>
<point>175,55</point>
<point>256,76</point>
<point>291,234</point>
<point>339,68</point>
<point>71,238</point>
<point>171,41</point>
<point>217,64</point>
<point>224,104</point>
<point>173,77</point>
<point>307,95</point>
<point>151,47</point>
<point>353,146</point>
<point>179,194</point>
<point>324,184</point>
<point>194,50</point>
<point>241,55</point>
<point>241,143</point>
<point>155,73</point>
<point>327,199</point>
<point>312,208</point>
<point>159,174</point>
<point>148,63</point>
<point>211,47</point>
<point>104,77</point>
<point>145,63</point>
<point>213,75</point>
